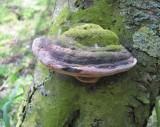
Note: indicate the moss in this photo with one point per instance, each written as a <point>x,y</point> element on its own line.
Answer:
<point>62,105</point>
<point>95,104</point>
<point>60,20</point>
<point>91,34</point>
<point>102,12</point>
<point>87,45</point>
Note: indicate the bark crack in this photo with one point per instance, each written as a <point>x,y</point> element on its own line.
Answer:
<point>72,119</point>
<point>27,103</point>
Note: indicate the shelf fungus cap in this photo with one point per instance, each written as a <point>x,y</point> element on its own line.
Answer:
<point>87,52</point>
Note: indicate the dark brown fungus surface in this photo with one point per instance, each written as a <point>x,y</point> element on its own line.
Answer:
<point>66,55</point>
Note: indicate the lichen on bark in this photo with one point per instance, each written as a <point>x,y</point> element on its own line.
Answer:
<point>146,40</point>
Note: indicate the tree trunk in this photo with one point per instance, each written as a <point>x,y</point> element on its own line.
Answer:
<point>123,100</point>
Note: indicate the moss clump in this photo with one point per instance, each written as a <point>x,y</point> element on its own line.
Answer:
<point>91,34</point>
<point>102,12</point>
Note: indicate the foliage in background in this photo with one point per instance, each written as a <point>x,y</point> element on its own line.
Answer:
<point>20,22</point>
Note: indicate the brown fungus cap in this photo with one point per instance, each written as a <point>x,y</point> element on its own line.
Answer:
<point>67,55</point>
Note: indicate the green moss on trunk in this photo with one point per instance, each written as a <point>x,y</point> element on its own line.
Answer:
<point>123,100</point>
<point>102,12</point>
<point>112,102</point>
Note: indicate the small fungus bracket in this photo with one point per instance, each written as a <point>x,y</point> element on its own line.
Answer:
<point>68,54</point>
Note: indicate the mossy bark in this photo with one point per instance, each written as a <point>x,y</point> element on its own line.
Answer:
<point>123,100</point>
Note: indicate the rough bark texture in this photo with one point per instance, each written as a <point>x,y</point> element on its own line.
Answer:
<point>124,100</point>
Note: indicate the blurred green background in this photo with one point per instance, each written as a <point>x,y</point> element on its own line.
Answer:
<point>20,22</point>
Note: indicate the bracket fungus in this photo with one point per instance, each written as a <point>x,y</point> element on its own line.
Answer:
<point>87,52</point>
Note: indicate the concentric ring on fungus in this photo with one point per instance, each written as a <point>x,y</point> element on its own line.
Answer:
<point>87,63</point>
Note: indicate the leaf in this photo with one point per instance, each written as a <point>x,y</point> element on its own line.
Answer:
<point>7,106</point>
<point>6,117</point>
<point>3,70</point>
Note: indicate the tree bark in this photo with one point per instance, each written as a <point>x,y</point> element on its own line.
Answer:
<point>123,100</point>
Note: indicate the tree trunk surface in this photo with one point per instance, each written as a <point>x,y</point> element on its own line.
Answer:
<point>122,100</point>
